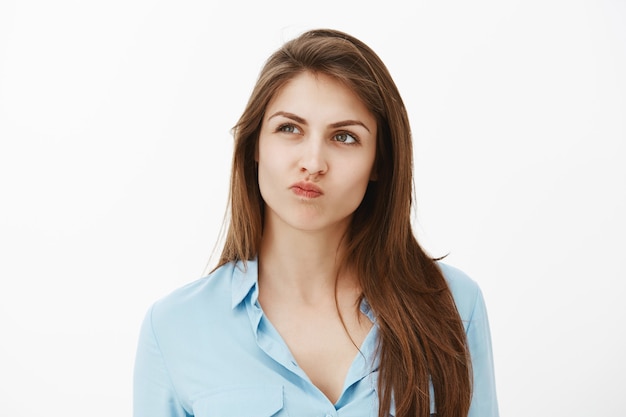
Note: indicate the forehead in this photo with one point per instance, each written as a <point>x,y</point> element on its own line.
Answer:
<point>321,96</point>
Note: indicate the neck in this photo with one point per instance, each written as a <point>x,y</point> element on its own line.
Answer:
<point>301,264</point>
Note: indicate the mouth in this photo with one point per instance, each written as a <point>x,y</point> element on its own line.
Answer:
<point>306,190</point>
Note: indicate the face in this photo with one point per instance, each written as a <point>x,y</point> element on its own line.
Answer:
<point>315,154</point>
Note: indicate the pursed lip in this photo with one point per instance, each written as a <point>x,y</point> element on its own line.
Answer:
<point>306,189</point>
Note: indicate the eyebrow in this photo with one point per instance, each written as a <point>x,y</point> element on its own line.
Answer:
<point>299,119</point>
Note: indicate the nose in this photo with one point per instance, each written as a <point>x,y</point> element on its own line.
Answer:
<point>313,158</point>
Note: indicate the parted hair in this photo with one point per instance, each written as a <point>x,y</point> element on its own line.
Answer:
<point>422,339</point>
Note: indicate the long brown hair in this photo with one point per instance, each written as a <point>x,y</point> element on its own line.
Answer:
<point>422,339</point>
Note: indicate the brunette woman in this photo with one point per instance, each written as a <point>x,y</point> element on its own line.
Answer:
<point>323,303</point>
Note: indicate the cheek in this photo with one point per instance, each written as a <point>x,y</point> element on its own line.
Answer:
<point>268,169</point>
<point>357,179</point>
<point>267,159</point>
<point>369,169</point>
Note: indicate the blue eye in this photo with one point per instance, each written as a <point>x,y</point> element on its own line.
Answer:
<point>345,137</point>
<point>288,128</point>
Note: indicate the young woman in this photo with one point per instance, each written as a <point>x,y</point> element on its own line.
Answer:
<point>323,302</point>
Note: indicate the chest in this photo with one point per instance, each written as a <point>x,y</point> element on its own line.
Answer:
<point>244,371</point>
<point>324,351</point>
<point>323,344</point>
<point>239,365</point>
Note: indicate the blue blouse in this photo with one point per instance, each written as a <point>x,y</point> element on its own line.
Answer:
<point>207,350</point>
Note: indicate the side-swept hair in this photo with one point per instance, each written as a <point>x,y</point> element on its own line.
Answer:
<point>422,339</point>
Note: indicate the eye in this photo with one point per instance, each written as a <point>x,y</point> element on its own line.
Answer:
<point>345,137</point>
<point>288,128</point>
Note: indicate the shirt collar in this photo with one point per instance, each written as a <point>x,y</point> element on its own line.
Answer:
<point>245,279</point>
<point>367,310</point>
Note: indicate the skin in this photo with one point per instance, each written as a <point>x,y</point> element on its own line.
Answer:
<point>315,157</point>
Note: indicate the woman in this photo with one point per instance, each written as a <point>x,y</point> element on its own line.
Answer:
<point>323,302</point>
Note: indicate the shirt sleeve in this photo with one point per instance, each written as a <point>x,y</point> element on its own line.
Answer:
<point>153,392</point>
<point>484,399</point>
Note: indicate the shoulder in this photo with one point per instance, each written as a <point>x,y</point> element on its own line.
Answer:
<point>471,307</point>
<point>202,297</point>
<point>466,292</point>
